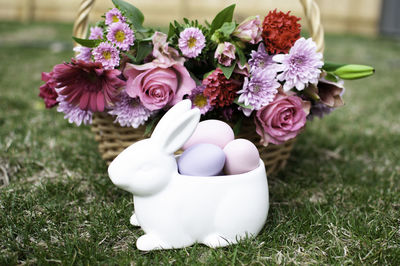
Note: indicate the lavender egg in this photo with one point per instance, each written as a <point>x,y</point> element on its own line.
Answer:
<point>202,159</point>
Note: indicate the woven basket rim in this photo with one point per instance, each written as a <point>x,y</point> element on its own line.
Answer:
<point>112,139</point>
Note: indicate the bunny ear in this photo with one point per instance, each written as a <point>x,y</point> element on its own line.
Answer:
<point>172,115</point>
<point>179,131</point>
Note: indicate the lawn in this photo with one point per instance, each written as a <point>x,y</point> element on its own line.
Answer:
<point>336,202</point>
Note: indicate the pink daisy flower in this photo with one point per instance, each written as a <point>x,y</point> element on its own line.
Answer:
<point>121,35</point>
<point>107,55</point>
<point>96,33</point>
<point>191,42</point>
<point>114,15</point>
<point>83,53</point>
<point>199,100</point>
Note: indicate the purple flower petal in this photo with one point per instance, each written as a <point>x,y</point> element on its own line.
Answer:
<point>301,66</point>
<point>130,112</point>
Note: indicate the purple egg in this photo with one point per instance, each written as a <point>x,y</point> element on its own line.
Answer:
<point>202,159</point>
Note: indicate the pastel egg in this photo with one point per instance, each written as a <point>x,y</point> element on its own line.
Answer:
<point>241,157</point>
<point>211,131</point>
<point>202,159</point>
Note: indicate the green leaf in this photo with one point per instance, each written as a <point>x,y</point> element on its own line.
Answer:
<point>238,126</point>
<point>150,126</point>
<point>208,73</point>
<point>134,15</point>
<point>131,57</point>
<point>331,77</point>
<point>171,30</point>
<point>242,57</point>
<point>148,39</point>
<point>227,28</point>
<point>236,101</point>
<point>144,49</point>
<point>196,80</point>
<point>87,42</point>
<point>331,67</point>
<point>227,70</point>
<point>223,16</point>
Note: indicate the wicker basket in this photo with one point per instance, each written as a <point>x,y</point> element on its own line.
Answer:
<point>113,138</point>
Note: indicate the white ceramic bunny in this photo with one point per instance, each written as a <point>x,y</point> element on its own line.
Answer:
<point>177,211</point>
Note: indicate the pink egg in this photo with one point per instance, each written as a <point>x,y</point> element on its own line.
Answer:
<point>211,131</point>
<point>241,156</point>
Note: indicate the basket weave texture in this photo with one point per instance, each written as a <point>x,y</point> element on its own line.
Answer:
<point>113,139</point>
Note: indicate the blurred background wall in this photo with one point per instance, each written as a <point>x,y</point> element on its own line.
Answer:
<point>367,17</point>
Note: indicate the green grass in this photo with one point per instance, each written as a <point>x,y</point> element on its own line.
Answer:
<point>337,201</point>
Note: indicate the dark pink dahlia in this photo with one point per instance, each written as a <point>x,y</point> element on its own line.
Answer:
<point>47,90</point>
<point>87,84</point>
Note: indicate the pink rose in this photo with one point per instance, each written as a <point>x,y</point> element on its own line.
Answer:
<point>225,53</point>
<point>158,85</point>
<point>282,119</point>
<point>249,30</point>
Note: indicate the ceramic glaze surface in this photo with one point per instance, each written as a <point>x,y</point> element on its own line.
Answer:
<point>176,211</point>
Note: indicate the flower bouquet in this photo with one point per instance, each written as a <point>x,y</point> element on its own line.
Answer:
<point>259,75</point>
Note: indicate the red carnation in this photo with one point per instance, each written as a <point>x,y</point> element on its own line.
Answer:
<point>87,84</point>
<point>47,90</point>
<point>280,31</point>
<point>220,90</point>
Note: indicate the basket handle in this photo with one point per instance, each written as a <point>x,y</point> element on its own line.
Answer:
<point>313,17</point>
<point>310,7</point>
<point>82,18</point>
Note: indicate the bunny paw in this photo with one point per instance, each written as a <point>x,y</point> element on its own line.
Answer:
<point>133,220</point>
<point>149,242</point>
<point>214,241</point>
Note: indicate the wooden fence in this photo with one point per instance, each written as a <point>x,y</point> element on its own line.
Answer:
<point>354,16</point>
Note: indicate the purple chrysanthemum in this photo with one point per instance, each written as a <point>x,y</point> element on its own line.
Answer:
<point>261,59</point>
<point>191,42</point>
<point>301,66</point>
<point>83,53</point>
<point>107,55</point>
<point>113,16</point>
<point>259,90</point>
<point>72,112</point>
<point>199,100</point>
<point>96,33</point>
<point>129,111</point>
<point>121,35</point>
